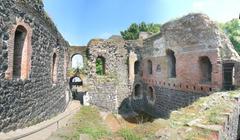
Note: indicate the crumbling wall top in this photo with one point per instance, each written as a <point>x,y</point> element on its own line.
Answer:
<point>194,32</point>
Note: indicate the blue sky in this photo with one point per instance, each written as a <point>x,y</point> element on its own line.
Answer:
<point>81,20</point>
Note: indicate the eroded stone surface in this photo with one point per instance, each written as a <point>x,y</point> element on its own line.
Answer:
<point>27,102</point>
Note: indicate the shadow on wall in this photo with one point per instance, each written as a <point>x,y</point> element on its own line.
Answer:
<point>150,102</point>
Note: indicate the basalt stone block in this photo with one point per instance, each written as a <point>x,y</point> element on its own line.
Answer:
<point>5,45</point>
<point>5,36</point>
<point>21,96</point>
<point>4,66</point>
<point>5,54</point>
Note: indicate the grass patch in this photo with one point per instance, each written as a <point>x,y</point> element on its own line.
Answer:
<point>148,130</point>
<point>214,114</point>
<point>197,134</point>
<point>128,134</point>
<point>87,121</point>
<point>206,111</point>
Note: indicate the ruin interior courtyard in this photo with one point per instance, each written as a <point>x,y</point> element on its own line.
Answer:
<point>191,63</point>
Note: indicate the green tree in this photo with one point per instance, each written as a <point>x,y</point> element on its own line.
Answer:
<point>134,29</point>
<point>143,27</point>
<point>232,29</point>
<point>154,28</point>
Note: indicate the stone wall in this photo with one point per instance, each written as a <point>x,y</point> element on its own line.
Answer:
<point>230,129</point>
<point>237,74</point>
<point>109,90</point>
<point>190,38</point>
<point>165,101</point>
<point>33,97</point>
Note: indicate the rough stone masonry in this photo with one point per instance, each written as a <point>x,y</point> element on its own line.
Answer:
<point>157,74</point>
<point>29,40</point>
<point>191,57</point>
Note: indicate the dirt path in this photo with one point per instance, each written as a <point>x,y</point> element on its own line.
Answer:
<point>116,122</point>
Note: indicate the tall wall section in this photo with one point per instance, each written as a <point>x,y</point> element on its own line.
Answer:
<point>109,89</point>
<point>32,65</point>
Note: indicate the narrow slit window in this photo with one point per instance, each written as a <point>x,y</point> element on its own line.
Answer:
<point>171,63</point>
<point>19,42</point>
<point>100,65</point>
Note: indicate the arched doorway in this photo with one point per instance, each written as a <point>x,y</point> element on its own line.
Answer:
<point>228,76</point>
<point>76,84</point>
<point>77,61</point>
<point>76,81</point>
<point>137,67</point>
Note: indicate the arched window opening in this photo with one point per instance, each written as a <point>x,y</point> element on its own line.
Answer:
<point>54,68</point>
<point>150,94</point>
<point>19,47</point>
<point>171,64</point>
<point>229,76</point>
<point>77,61</point>
<point>205,69</point>
<point>149,65</point>
<point>77,81</point>
<point>100,65</point>
<point>137,67</point>
<point>137,91</point>
<point>158,69</point>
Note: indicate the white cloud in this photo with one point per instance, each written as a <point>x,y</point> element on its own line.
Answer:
<point>220,10</point>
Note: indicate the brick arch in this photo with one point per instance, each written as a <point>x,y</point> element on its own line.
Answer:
<point>25,48</point>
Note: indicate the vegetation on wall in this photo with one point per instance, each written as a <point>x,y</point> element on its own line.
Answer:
<point>100,62</point>
<point>232,29</point>
<point>132,33</point>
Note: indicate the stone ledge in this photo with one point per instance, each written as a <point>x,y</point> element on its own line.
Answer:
<point>72,108</point>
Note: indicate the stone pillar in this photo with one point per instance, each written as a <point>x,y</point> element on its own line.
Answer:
<point>132,59</point>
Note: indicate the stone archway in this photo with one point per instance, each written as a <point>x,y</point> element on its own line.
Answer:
<point>75,51</point>
<point>76,84</point>
<point>77,61</point>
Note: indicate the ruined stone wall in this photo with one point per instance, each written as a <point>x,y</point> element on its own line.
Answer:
<point>108,91</point>
<point>230,128</point>
<point>190,38</point>
<point>33,97</point>
<point>237,74</point>
<point>165,100</point>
